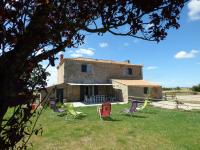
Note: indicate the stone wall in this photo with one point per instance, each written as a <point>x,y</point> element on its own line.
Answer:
<point>72,93</point>
<point>127,91</point>
<point>155,92</point>
<point>123,89</point>
<point>100,72</point>
<point>136,91</point>
<point>60,73</point>
<point>51,92</point>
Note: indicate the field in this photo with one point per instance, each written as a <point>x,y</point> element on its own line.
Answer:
<point>152,129</point>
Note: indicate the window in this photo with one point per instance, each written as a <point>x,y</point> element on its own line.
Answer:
<point>130,71</point>
<point>146,90</point>
<point>86,68</point>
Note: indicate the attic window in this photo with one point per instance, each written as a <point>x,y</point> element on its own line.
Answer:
<point>130,71</point>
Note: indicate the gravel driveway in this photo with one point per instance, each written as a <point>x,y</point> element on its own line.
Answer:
<point>189,102</point>
<point>189,98</point>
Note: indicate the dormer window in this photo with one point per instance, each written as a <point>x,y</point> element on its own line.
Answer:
<point>86,68</point>
<point>130,71</point>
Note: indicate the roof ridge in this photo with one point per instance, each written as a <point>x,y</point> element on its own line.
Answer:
<point>101,60</point>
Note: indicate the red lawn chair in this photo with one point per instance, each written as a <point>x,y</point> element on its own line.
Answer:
<point>34,106</point>
<point>105,110</point>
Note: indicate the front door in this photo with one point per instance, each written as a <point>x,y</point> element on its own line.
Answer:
<point>59,95</point>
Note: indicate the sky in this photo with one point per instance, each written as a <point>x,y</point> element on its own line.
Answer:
<point>172,62</point>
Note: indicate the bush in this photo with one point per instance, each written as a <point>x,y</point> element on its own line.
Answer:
<point>59,104</point>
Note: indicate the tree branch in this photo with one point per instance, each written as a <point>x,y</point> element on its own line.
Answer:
<point>124,34</point>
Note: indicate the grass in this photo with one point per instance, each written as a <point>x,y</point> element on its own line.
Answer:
<point>151,129</point>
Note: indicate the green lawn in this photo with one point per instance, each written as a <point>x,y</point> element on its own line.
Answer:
<point>152,129</point>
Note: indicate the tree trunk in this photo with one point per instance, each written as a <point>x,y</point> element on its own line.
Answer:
<point>3,110</point>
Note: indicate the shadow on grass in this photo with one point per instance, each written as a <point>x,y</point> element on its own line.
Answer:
<point>147,112</point>
<point>78,116</point>
<point>110,119</point>
<point>134,116</point>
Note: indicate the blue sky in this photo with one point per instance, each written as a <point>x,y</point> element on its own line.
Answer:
<point>172,62</point>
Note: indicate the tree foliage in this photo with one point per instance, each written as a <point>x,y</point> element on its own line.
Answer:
<point>35,30</point>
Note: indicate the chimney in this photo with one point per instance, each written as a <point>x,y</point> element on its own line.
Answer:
<point>127,61</point>
<point>61,57</point>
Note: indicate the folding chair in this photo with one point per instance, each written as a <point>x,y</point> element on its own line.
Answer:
<point>105,110</point>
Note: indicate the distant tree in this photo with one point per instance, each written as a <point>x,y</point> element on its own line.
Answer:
<point>177,88</point>
<point>166,89</point>
<point>196,88</point>
<point>35,30</point>
<point>38,77</point>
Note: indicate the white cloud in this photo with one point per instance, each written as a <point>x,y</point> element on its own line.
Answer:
<point>126,44</point>
<point>76,55</point>
<point>59,53</point>
<point>149,26</point>
<point>135,41</point>
<point>185,55</point>
<point>151,67</point>
<point>82,52</point>
<point>52,79</point>
<point>103,44</point>
<point>194,10</point>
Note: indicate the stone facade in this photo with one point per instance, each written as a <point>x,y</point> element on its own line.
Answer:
<point>78,78</point>
<point>60,73</point>
<point>123,88</point>
<point>101,72</point>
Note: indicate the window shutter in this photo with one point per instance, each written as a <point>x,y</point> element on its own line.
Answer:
<point>89,68</point>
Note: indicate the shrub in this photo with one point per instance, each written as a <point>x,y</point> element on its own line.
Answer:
<point>59,104</point>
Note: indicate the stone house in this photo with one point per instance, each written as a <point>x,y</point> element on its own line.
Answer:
<point>92,81</point>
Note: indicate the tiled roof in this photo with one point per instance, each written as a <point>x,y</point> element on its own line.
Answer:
<point>136,82</point>
<point>100,61</point>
